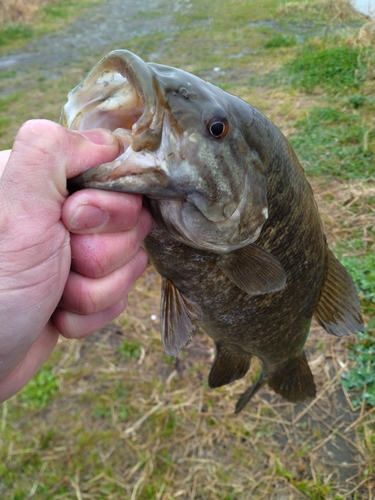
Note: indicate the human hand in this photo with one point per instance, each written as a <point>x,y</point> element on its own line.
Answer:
<point>66,264</point>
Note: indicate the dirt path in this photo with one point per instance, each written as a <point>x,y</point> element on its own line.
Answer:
<point>114,22</point>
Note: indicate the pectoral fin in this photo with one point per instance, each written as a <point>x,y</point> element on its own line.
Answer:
<point>227,367</point>
<point>253,270</point>
<point>179,318</point>
<point>338,310</point>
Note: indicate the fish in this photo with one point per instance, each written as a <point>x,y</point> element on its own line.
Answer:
<point>237,237</point>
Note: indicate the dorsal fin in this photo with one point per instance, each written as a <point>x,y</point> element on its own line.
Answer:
<point>227,367</point>
<point>338,310</point>
<point>179,318</point>
<point>253,270</point>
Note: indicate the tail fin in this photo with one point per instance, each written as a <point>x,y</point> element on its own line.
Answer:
<point>294,382</point>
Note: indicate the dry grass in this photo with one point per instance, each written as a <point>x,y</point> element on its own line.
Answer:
<point>365,38</point>
<point>366,35</point>
<point>347,209</point>
<point>21,11</point>
<point>180,439</point>
<point>337,10</point>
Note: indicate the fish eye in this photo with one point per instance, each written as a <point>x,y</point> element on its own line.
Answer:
<point>218,127</point>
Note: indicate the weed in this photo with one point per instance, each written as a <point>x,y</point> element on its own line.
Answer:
<point>357,100</point>
<point>129,350</point>
<point>8,74</point>
<point>13,32</point>
<point>280,41</point>
<point>362,270</point>
<point>41,389</point>
<point>170,424</point>
<point>101,412</point>
<point>4,124</point>
<point>46,439</point>
<point>5,102</point>
<point>56,11</point>
<point>315,490</point>
<point>361,378</point>
<point>21,20</point>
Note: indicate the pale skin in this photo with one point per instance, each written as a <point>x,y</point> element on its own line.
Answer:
<point>66,263</point>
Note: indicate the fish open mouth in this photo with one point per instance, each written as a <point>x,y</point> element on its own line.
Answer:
<point>121,94</point>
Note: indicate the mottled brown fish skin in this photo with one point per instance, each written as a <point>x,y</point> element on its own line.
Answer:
<point>273,326</point>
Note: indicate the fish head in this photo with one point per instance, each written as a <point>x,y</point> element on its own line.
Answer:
<point>182,147</point>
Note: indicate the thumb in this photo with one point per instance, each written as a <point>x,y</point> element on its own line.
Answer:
<point>45,155</point>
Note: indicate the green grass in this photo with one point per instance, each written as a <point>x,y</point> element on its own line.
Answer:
<point>278,41</point>
<point>362,269</point>
<point>41,389</point>
<point>331,142</point>
<point>11,33</point>
<point>311,489</point>
<point>129,350</point>
<point>360,380</point>
<point>335,69</point>
<point>335,139</point>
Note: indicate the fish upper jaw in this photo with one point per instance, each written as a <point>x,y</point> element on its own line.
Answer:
<point>120,92</point>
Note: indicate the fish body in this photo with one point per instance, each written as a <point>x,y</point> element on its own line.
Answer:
<point>237,236</point>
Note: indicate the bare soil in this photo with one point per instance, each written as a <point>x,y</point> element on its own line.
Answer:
<point>92,34</point>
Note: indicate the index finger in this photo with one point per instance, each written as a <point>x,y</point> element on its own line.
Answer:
<point>92,210</point>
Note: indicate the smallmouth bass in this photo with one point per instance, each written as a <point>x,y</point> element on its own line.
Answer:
<point>237,236</point>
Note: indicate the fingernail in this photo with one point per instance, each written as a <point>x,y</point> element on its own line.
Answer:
<point>88,217</point>
<point>99,136</point>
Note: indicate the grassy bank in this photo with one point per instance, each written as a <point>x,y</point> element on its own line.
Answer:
<point>113,417</point>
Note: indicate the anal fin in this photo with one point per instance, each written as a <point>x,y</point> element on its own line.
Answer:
<point>253,270</point>
<point>227,367</point>
<point>294,382</point>
<point>338,310</point>
<point>179,318</point>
